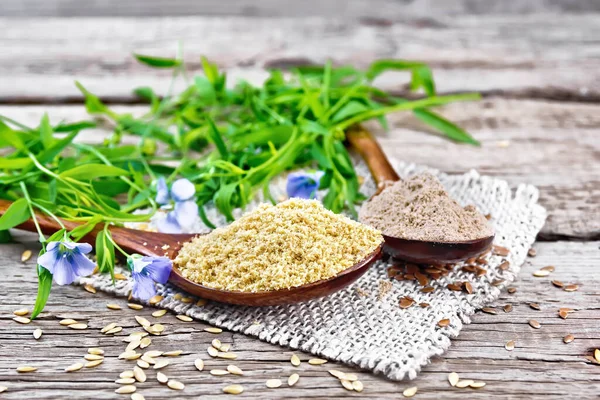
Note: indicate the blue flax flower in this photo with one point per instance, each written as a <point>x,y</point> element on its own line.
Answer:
<point>66,261</point>
<point>303,184</point>
<point>145,271</point>
<point>185,210</point>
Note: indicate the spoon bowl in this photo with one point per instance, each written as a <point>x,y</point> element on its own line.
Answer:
<point>416,251</point>
<point>168,245</point>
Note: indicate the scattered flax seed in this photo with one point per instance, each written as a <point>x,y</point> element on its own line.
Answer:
<point>145,342</point>
<point>541,273</point>
<point>504,266</point>
<point>507,308</point>
<point>125,381</point>
<point>142,321</point>
<point>532,252</point>
<point>273,383</point>
<point>489,310</point>
<point>548,268</point>
<point>511,290</point>
<point>558,284</point>
<point>147,359</point>
<point>213,330</point>
<point>569,338</point>
<point>184,318</point>
<point>346,384</point>
<point>157,328</point>
<point>510,345</point>
<point>134,306</point>
<point>563,314</point>
<point>534,324</point>
<point>500,251</point>
<point>126,374</point>
<point>317,361</point>
<point>113,306</point>
<point>293,379</point>
<point>477,384</point>
<point>127,389</point>
<point>137,396</point>
<point>410,392</point>
<point>233,389</point>
<point>424,305</point>
<point>199,363</point>
<point>22,320</point>
<point>139,374</point>
<point>178,296</point>
<point>235,370</point>
<point>129,355</point>
<point>187,300</point>
<point>153,353</point>
<point>37,333</point>
<point>226,356</point>
<point>78,326</point>
<point>155,299</point>
<point>351,377</point>
<point>159,313</point>
<point>219,372</point>
<point>89,288</point>
<point>21,312</point>
<point>406,302</point>
<point>120,277</point>
<point>358,386</point>
<point>114,330</point>
<point>443,323</point>
<point>427,289</point>
<point>571,288</point>
<point>172,353</point>
<point>134,344</point>
<point>497,282</point>
<point>212,351</point>
<point>103,330</point>
<point>453,378</point>
<point>597,355</point>
<point>95,350</point>
<point>225,348</point>
<point>384,288</point>
<point>26,368</point>
<point>162,378</point>
<point>201,303</point>
<point>3,389</point>
<point>337,374</point>
<point>216,343</point>
<point>464,383</point>
<point>454,287</point>
<point>567,310</point>
<point>175,385</point>
<point>468,287</point>
<point>535,306</point>
<point>295,360</point>
<point>92,364</point>
<point>74,367</point>
<point>93,357</point>
<point>161,364</point>
<point>143,364</point>
<point>26,255</point>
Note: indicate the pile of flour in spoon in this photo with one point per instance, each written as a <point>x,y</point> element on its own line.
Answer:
<point>419,208</point>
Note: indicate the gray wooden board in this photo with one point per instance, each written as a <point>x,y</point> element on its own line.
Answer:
<point>541,366</point>
<point>553,145</point>
<point>279,8</point>
<point>544,55</point>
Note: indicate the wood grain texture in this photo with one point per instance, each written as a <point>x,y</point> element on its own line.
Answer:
<point>540,367</point>
<point>553,145</point>
<point>288,8</point>
<point>548,55</point>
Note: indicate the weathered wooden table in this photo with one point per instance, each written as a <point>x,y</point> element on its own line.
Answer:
<point>537,64</point>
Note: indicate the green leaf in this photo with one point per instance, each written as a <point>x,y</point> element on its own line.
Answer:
<point>92,171</point>
<point>17,213</point>
<point>105,253</point>
<point>93,104</point>
<point>75,126</point>
<point>224,199</point>
<point>10,137</point>
<point>423,78</point>
<point>14,163</point>
<point>349,110</point>
<point>46,133</point>
<point>451,130</point>
<point>206,90</point>
<point>44,287</point>
<point>157,62</point>
<point>79,232</point>
<point>215,136</point>
<point>55,149</point>
<point>380,66</point>
<point>52,191</point>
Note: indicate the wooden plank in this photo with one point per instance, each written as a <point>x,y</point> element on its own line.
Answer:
<point>552,145</point>
<point>288,8</point>
<point>541,366</point>
<point>540,55</point>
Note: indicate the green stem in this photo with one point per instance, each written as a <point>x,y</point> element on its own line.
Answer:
<point>49,213</point>
<point>33,217</point>
<point>109,236</point>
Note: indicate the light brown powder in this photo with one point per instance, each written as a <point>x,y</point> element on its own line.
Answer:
<point>419,208</point>
<point>275,247</point>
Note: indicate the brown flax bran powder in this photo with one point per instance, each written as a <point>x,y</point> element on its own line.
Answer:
<point>277,247</point>
<point>419,208</point>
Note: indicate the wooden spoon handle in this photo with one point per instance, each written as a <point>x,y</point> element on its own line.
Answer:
<point>366,145</point>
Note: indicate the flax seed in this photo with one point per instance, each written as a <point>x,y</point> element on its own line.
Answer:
<point>453,378</point>
<point>569,338</point>
<point>26,255</point>
<point>558,284</point>
<point>161,364</point>
<point>464,383</point>
<point>159,313</point>
<point>443,323</point>
<point>213,330</point>
<point>534,324</point>
<point>78,326</point>
<point>155,299</point>
<point>21,312</point>
<point>235,370</point>
<point>410,392</point>
<point>162,378</point>
<point>489,310</point>
<point>233,389</point>
<point>95,350</point>
<point>535,306</point>
<point>127,389</point>
<point>37,333</point>
<point>113,306</point>
<point>21,320</point>
<point>199,363</point>
<point>510,345</point>
<point>219,372</point>
<point>184,318</point>
<point>507,308</point>
<point>357,386</point>
<point>293,379</point>
<point>317,361</point>
<point>511,290</point>
<point>74,367</point>
<point>295,360</point>
<point>134,306</point>
<point>273,383</point>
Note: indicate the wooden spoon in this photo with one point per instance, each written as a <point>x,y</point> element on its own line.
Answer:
<point>417,251</point>
<point>162,244</point>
